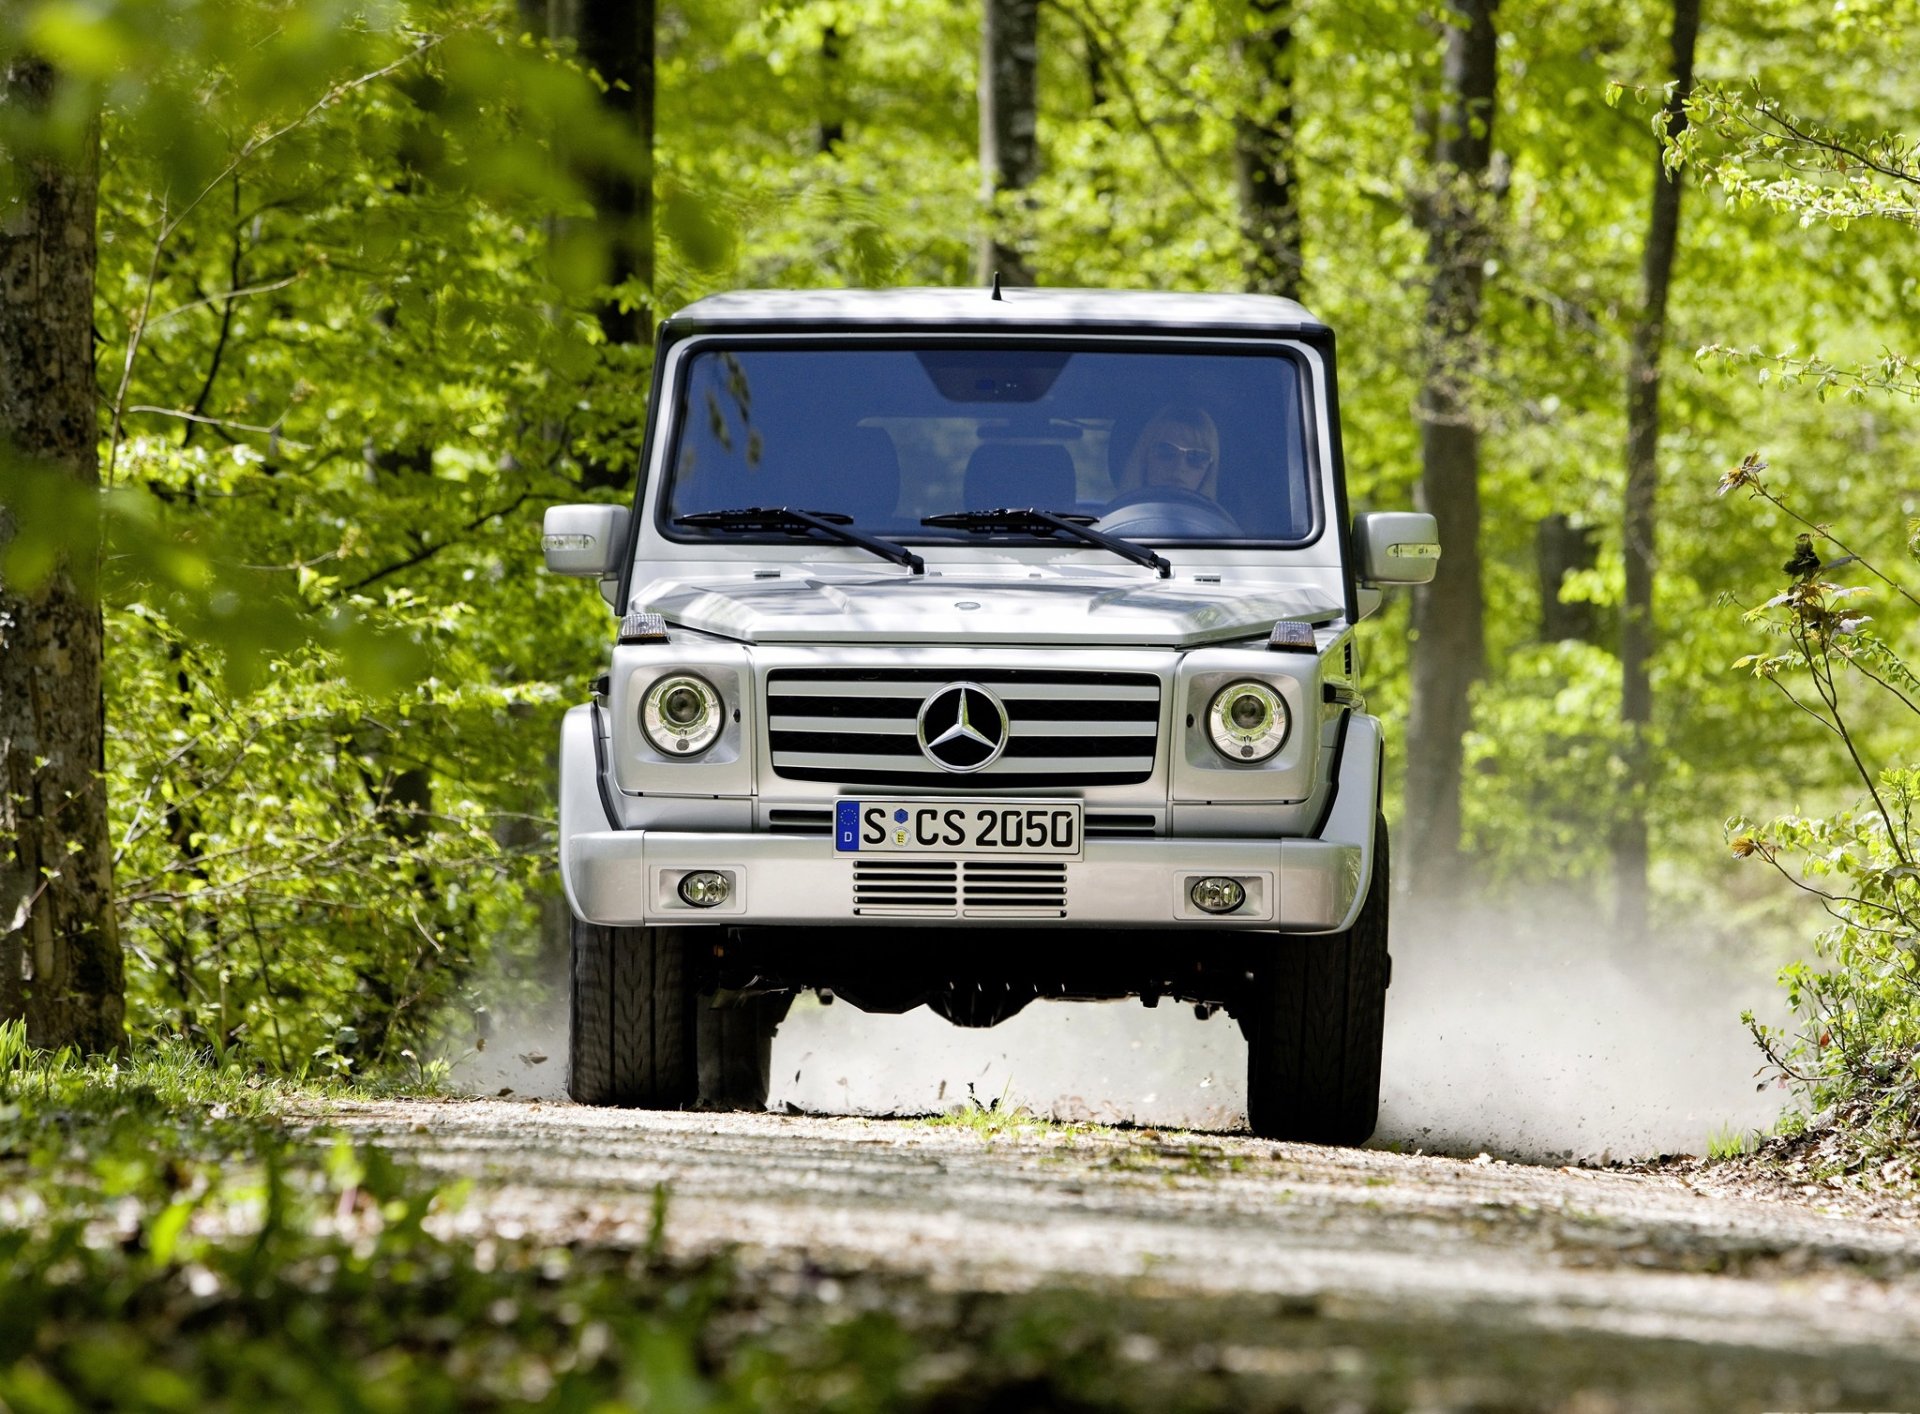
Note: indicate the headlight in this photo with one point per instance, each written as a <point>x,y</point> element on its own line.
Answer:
<point>1247,722</point>
<point>681,715</point>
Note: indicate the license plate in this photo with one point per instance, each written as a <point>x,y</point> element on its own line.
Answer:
<point>956,827</point>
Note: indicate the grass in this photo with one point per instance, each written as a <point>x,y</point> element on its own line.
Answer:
<point>1144,1151</point>
<point>1731,1143</point>
<point>995,1119</point>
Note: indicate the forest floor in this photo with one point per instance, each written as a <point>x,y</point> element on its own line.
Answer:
<point>1044,1265</point>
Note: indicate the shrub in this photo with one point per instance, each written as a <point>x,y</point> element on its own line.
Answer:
<point>1854,1050</point>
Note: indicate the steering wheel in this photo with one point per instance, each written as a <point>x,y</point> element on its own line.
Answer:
<point>1167,510</point>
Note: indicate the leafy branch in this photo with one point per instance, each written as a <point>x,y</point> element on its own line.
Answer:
<point>1862,1042</point>
<point>1756,150</point>
<point>170,221</point>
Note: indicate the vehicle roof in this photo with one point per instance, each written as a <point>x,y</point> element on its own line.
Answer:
<point>1017,310</point>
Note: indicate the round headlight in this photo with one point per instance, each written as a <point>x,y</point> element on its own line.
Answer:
<point>682,715</point>
<point>1247,722</point>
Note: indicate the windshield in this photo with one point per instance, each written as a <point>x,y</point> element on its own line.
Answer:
<point>1162,445</point>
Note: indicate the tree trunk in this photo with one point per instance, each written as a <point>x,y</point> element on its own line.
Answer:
<point>1448,630</point>
<point>616,41</point>
<point>1009,128</point>
<point>833,104</point>
<point>1638,513</point>
<point>1561,548</point>
<point>1263,153</point>
<point>60,962</point>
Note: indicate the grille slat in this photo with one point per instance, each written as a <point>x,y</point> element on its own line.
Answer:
<point>1065,728</point>
<point>835,764</point>
<point>891,726</point>
<point>859,725</point>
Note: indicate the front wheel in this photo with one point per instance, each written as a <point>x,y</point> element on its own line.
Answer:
<point>1314,1025</point>
<point>645,1037</point>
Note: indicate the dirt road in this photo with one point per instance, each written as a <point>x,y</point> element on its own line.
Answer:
<point>1272,1275</point>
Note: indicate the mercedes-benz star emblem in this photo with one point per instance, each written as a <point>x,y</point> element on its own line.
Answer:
<point>963,727</point>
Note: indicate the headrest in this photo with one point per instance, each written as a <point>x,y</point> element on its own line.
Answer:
<point>1037,476</point>
<point>867,477</point>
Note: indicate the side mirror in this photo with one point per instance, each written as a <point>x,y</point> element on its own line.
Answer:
<point>1396,547</point>
<point>584,540</point>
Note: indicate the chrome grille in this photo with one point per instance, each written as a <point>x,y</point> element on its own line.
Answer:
<point>1064,729</point>
<point>979,887</point>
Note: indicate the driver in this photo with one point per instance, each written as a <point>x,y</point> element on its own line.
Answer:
<point>1179,450</point>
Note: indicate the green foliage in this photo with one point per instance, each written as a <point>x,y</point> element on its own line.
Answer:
<point>162,1248</point>
<point>309,869</point>
<point>1545,749</point>
<point>349,270</point>
<point>1750,144</point>
<point>1856,1051</point>
<point>341,372</point>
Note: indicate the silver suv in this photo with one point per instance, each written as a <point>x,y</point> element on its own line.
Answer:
<point>975,648</point>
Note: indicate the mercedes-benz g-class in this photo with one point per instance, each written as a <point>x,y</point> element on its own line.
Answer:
<point>975,647</point>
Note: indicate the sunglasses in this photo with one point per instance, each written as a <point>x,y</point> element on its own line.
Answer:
<point>1193,458</point>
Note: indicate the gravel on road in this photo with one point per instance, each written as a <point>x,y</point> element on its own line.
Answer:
<point>1302,1277</point>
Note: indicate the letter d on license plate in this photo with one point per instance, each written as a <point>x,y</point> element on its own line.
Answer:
<point>956,827</point>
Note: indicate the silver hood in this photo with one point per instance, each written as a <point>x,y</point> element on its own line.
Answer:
<point>799,608</point>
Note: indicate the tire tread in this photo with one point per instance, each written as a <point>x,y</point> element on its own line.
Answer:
<point>644,1037</point>
<point>1315,1024</point>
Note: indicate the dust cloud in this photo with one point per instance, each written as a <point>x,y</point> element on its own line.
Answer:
<point>1527,1035</point>
<point>1538,1035</point>
<point>1524,1035</point>
<point>514,1044</point>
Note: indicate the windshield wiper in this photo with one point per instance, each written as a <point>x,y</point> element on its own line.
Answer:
<point>829,523</point>
<point>1049,523</point>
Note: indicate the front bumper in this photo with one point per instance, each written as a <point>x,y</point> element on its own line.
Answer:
<point>631,877</point>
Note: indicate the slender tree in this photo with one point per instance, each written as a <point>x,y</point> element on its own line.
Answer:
<point>833,100</point>
<point>1448,618</point>
<point>60,963</point>
<point>1263,152</point>
<point>1640,506</point>
<point>616,39</point>
<point>1009,128</point>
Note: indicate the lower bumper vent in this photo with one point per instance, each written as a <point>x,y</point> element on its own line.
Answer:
<point>905,886</point>
<point>995,886</point>
<point>943,888</point>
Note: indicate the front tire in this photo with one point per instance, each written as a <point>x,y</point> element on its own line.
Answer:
<point>1315,1023</point>
<point>645,1037</point>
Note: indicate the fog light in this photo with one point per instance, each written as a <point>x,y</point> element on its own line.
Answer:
<point>1212,895</point>
<point>705,889</point>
